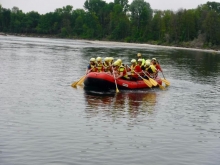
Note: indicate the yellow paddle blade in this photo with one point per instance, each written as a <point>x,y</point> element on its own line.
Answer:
<point>81,80</point>
<point>147,82</point>
<point>74,84</point>
<point>161,87</point>
<point>166,81</point>
<point>153,82</point>
<point>117,91</point>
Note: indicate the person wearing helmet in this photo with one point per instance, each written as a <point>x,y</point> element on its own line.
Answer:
<point>134,69</point>
<point>99,64</point>
<point>111,60</point>
<point>106,65</point>
<point>156,64</point>
<point>139,62</point>
<point>143,67</point>
<point>139,56</point>
<point>150,70</point>
<point>92,66</point>
<point>119,71</point>
<point>120,61</point>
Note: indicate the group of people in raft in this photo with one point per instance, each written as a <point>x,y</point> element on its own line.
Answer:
<point>139,68</point>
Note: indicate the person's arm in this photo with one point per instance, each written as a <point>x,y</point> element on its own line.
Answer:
<point>120,75</point>
<point>88,69</point>
<point>158,67</point>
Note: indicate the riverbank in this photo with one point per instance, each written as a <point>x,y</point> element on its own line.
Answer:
<point>104,42</point>
<point>150,45</point>
<point>3,34</point>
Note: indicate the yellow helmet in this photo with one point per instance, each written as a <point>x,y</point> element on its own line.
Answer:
<point>98,59</point>
<point>116,63</point>
<point>106,59</point>
<point>139,54</point>
<point>133,61</point>
<point>119,61</point>
<point>154,59</point>
<point>92,60</point>
<point>111,58</point>
<point>140,60</point>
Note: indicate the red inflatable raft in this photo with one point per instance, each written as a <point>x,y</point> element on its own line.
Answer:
<point>105,81</point>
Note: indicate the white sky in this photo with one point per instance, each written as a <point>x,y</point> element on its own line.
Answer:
<point>45,6</point>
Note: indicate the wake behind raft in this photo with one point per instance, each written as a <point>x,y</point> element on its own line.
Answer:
<point>106,81</point>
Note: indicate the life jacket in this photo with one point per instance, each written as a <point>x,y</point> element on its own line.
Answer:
<point>122,69</point>
<point>157,66</point>
<point>92,68</point>
<point>143,62</point>
<point>106,67</point>
<point>132,70</point>
<point>136,69</point>
<point>99,67</point>
<point>152,71</point>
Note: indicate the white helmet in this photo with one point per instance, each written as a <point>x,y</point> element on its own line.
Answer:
<point>133,61</point>
<point>147,63</point>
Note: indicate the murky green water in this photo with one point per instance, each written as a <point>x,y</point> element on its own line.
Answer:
<point>43,120</point>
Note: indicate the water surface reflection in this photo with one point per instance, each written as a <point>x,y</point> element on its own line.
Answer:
<point>124,105</point>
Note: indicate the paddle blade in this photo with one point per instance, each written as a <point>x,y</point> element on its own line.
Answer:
<point>166,82</point>
<point>153,82</point>
<point>81,80</point>
<point>148,83</point>
<point>74,84</point>
<point>117,91</point>
<point>161,87</point>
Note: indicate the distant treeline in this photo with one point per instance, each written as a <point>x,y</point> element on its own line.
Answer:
<point>120,21</point>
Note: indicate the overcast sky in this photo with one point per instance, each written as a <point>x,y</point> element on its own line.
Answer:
<point>45,6</point>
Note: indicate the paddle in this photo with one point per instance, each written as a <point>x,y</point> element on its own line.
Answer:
<point>164,80</point>
<point>117,91</point>
<point>75,83</point>
<point>153,82</point>
<point>147,82</point>
<point>80,81</point>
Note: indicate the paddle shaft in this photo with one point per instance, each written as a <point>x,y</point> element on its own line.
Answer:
<point>136,72</point>
<point>115,80</point>
<point>163,75</point>
<point>145,74</point>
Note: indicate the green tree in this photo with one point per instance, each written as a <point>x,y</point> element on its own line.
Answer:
<point>1,19</point>
<point>98,8</point>
<point>16,20</point>
<point>6,19</point>
<point>141,15</point>
<point>123,3</point>
<point>119,24</point>
<point>91,27</point>
<point>211,26</point>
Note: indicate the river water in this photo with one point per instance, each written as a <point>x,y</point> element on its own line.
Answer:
<point>43,120</point>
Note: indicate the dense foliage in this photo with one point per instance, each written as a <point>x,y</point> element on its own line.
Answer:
<point>120,21</point>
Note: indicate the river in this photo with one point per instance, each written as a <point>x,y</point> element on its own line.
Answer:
<point>43,120</point>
